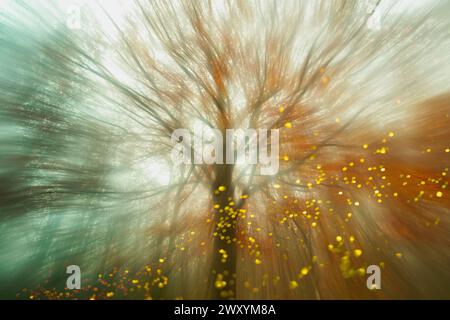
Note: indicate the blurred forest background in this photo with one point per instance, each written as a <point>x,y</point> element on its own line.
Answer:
<point>359,90</point>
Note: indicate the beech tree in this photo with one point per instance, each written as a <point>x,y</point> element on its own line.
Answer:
<point>358,91</point>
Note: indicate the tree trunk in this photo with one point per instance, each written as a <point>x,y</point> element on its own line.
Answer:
<point>223,273</point>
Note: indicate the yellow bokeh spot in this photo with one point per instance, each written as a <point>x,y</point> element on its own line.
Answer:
<point>288,125</point>
<point>304,271</point>
<point>357,252</point>
<point>439,194</point>
<point>293,284</point>
<point>222,188</point>
<point>361,272</point>
<point>220,284</point>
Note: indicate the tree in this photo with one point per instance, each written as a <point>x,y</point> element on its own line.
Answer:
<point>357,109</point>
